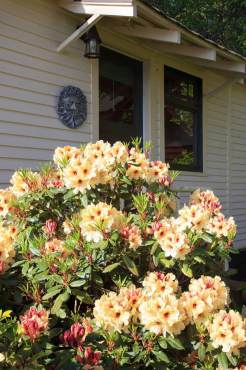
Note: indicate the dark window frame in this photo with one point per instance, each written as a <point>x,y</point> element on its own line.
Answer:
<point>195,106</point>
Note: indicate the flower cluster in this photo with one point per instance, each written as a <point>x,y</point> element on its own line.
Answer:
<point>172,238</point>
<point>7,250</point>
<point>207,200</point>
<point>201,215</point>
<point>132,236</point>
<point>27,181</point>
<point>115,312</point>
<point>193,217</point>
<point>228,330</point>
<point>55,246</point>
<point>34,322</point>
<point>206,295</point>
<point>96,164</point>
<point>220,226</point>
<point>97,220</point>
<point>6,198</point>
<point>158,307</point>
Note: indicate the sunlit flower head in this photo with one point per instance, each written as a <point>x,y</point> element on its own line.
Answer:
<point>227,330</point>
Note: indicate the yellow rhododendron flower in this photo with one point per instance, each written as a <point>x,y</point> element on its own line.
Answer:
<point>99,219</point>
<point>207,200</point>
<point>7,250</point>
<point>115,312</point>
<point>160,315</point>
<point>64,155</point>
<point>222,226</point>
<point>227,330</point>
<point>6,197</point>
<point>25,183</point>
<point>206,295</point>
<point>172,239</point>
<point>156,283</point>
<point>193,217</point>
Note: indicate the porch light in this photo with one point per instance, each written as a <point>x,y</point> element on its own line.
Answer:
<point>92,43</point>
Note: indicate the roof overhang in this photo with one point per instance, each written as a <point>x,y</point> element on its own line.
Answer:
<point>140,21</point>
<point>120,8</point>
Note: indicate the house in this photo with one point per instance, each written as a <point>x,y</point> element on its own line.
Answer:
<point>154,78</point>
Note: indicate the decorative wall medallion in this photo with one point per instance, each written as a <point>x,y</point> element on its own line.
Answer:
<point>72,107</point>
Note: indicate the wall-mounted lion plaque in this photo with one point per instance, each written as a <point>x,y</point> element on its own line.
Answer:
<point>72,107</point>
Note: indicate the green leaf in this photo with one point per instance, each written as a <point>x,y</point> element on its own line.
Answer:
<point>61,313</point>
<point>77,283</point>
<point>233,360</point>
<point>51,293</point>
<point>103,244</point>
<point>175,343</point>
<point>207,238</point>
<point>135,348</point>
<point>59,301</point>
<point>112,267</point>
<point>201,352</point>
<point>162,342</point>
<point>168,263</point>
<point>82,296</point>
<point>84,201</point>
<point>222,359</point>
<point>187,270</point>
<point>200,260</point>
<point>34,251</point>
<point>161,356</point>
<point>130,264</point>
<point>153,248</point>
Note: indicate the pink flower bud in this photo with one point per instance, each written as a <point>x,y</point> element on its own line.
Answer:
<point>160,275</point>
<point>124,232</point>
<point>75,336</point>
<point>165,180</point>
<point>57,184</point>
<point>50,227</point>
<point>34,322</point>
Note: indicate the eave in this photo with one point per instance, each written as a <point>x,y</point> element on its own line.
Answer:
<point>137,20</point>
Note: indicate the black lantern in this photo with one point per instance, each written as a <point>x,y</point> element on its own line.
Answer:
<point>92,43</point>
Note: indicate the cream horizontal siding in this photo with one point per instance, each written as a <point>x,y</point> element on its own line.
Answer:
<point>238,161</point>
<point>32,74</point>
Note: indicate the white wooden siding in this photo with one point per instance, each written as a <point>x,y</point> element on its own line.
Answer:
<point>238,161</point>
<point>32,74</point>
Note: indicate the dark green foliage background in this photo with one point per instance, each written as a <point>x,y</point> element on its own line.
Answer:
<point>223,21</point>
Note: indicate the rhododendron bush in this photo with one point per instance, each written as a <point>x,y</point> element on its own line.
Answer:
<point>99,270</point>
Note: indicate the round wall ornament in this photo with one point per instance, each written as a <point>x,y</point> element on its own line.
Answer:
<point>72,107</point>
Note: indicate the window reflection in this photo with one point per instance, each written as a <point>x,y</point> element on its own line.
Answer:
<point>183,120</point>
<point>120,97</point>
<point>179,136</point>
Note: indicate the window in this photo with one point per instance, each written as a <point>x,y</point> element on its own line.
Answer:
<point>183,120</point>
<point>121,99</point>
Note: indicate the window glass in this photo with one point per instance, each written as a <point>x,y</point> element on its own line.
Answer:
<point>183,120</point>
<point>120,97</point>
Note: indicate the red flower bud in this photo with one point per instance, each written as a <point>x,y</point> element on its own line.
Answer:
<point>50,227</point>
<point>75,336</point>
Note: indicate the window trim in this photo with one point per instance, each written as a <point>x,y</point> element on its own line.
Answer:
<point>196,107</point>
